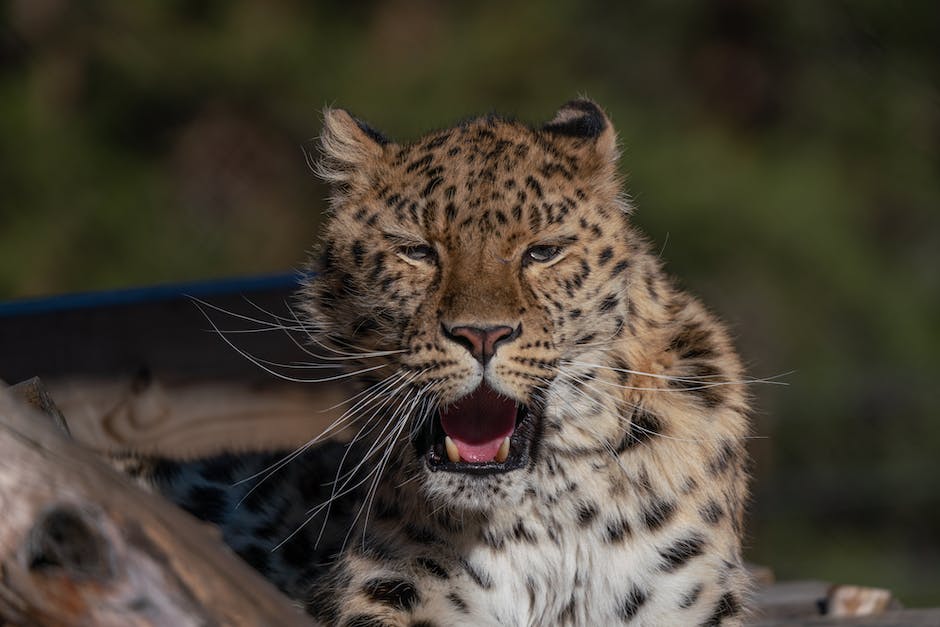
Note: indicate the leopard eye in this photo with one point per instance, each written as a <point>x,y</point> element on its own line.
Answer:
<point>419,252</point>
<point>541,253</point>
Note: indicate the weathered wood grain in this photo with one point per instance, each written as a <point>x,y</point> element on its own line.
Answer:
<point>186,420</point>
<point>80,545</point>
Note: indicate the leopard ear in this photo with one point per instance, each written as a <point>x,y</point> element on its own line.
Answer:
<point>350,149</point>
<point>583,124</point>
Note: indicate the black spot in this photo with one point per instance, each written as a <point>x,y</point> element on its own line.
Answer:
<point>395,200</point>
<point>432,566</point>
<point>346,284</point>
<point>358,252</point>
<point>617,530</point>
<point>431,186</point>
<point>438,141</point>
<point>423,162</point>
<point>450,212</point>
<point>207,503</point>
<point>327,258</point>
<point>585,339</point>
<point>532,184</point>
<point>702,383</point>
<point>720,463</point>
<point>711,512</point>
<point>479,577</point>
<point>657,513</point>
<point>587,512</point>
<point>728,605</point>
<point>644,425</point>
<point>457,601</point>
<point>620,267</point>
<point>693,342</point>
<point>676,555</point>
<point>690,597</point>
<point>398,593</point>
<point>520,532</point>
<point>605,256</point>
<point>632,603</point>
<point>610,302</point>
<point>589,120</point>
<point>373,134</point>
<point>567,613</point>
<point>651,287</point>
<point>364,620</point>
<point>375,549</point>
<point>493,540</point>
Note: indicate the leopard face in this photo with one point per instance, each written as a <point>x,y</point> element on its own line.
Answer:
<point>464,269</point>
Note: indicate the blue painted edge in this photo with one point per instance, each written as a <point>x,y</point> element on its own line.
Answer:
<point>150,293</point>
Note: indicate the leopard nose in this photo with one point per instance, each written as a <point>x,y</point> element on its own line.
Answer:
<point>482,342</point>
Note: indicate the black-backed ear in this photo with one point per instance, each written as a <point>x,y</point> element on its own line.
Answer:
<point>584,124</point>
<point>351,149</point>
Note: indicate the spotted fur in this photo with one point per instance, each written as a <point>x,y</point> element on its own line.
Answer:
<point>629,506</point>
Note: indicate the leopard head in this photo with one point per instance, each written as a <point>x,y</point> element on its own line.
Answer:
<point>459,270</point>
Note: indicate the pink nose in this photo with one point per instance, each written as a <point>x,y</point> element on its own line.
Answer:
<point>482,342</point>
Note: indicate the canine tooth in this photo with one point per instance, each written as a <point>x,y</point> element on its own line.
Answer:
<point>452,453</point>
<point>503,451</point>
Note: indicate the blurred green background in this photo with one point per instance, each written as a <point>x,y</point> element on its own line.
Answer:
<point>785,156</point>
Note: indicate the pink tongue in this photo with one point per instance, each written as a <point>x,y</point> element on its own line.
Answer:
<point>478,423</point>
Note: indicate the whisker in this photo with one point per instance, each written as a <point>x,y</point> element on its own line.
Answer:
<point>635,406</point>
<point>345,417</point>
<point>295,325</point>
<point>261,365</point>
<point>691,378</point>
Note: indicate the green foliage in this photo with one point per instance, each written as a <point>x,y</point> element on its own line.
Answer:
<point>785,157</point>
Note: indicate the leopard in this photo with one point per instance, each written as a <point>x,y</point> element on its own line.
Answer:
<point>549,430</point>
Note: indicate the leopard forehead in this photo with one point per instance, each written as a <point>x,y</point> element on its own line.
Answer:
<point>486,180</point>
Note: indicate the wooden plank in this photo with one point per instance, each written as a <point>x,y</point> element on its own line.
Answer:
<point>80,545</point>
<point>792,599</point>
<point>895,618</point>
<point>191,420</point>
<point>798,600</point>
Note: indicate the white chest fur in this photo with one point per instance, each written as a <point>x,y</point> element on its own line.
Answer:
<point>578,580</point>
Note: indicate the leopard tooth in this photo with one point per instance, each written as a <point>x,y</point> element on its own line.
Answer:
<point>503,453</point>
<point>452,453</point>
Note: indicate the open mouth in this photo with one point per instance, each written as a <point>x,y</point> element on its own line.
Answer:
<point>482,433</point>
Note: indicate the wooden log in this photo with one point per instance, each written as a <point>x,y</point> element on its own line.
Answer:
<point>80,545</point>
<point>35,394</point>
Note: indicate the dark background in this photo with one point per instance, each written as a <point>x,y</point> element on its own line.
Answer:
<point>785,156</point>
